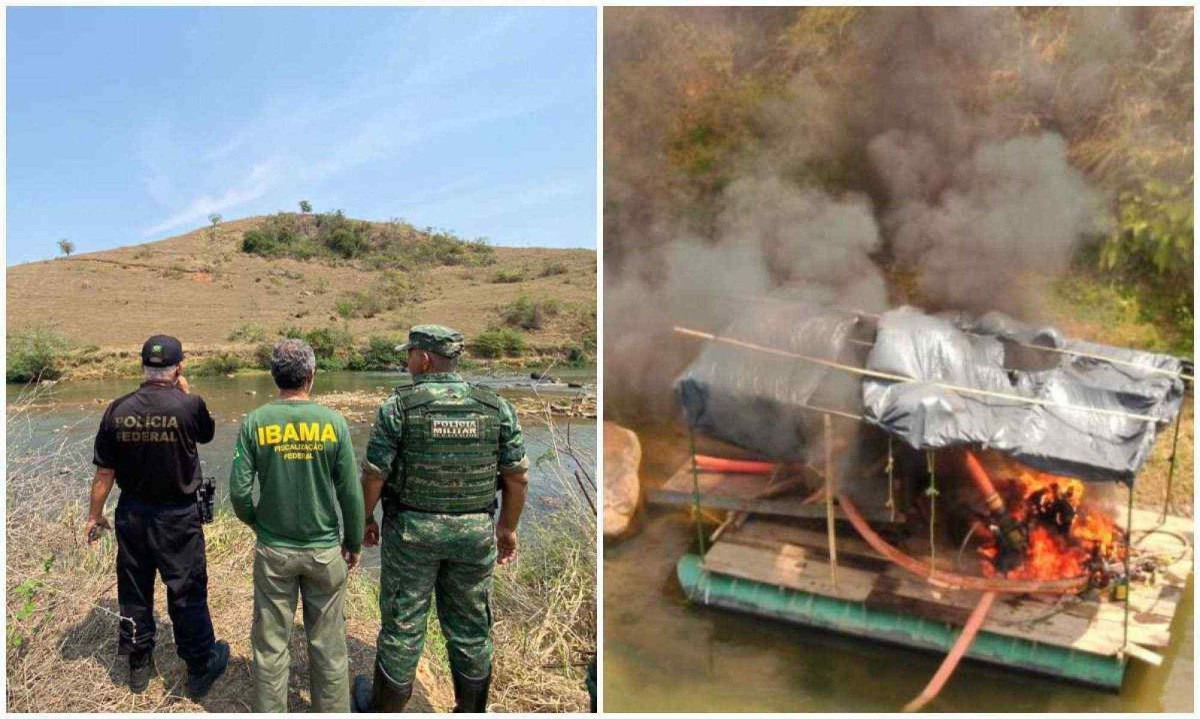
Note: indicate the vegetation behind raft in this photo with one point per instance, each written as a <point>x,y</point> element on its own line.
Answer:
<point>697,99</point>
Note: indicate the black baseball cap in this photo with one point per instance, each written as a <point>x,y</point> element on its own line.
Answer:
<point>162,351</point>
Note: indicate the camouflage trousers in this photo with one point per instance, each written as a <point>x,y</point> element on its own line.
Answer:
<point>444,555</point>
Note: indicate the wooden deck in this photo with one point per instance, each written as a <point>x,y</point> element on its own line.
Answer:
<point>784,553</point>
<point>751,493</point>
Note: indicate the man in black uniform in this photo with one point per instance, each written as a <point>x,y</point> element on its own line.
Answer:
<point>147,445</point>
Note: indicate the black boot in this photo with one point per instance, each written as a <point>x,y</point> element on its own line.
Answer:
<point>381,695</point>
<point>201,678</point>
<point>141,668</point>
<point>471,695</point>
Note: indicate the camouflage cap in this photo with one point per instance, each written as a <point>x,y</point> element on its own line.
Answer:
<point>437,339</point>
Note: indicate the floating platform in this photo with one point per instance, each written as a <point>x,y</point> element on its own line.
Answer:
<point>775,568</point>
<point>751,493</point>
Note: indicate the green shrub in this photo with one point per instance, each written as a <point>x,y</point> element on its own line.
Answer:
<point>346,242</point>
<point>355,361</point>
<point>262,355</point>
<point>248,333</point>
<point>224,363</point>
<point>502,277</point>
<point>35,354</point>
<point>584,351</point>
<point>498,342</point>
<point>551,269</point>
<point>1152,251</point>
<point>381,353</point>
<point>529,314</point>
<point>332,235</point>
<point>361,304</point>
<point>329,342</point>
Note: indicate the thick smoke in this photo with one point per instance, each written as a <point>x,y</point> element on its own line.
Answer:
<point>1009,208</point>
<point>964,195</point>
<point>937,126</point>
<point>771,234</point>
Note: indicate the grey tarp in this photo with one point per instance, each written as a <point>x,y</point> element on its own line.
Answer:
<point>759,401</point>
<point>984,355</point>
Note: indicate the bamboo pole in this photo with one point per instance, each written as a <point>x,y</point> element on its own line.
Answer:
<point>696,492</point>
<point>830,491</point>
<point>1171,469</point>
<point>900,378</point>
<point>1128,584</point>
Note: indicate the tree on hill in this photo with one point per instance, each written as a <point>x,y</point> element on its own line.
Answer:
<point>305,206</point>
<point>66,247</point>
<point>214,221</point>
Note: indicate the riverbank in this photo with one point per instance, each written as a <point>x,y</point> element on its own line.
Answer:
<point>62,617</point>
<point>361,406</point>
<point>62,627</point>
<point>97,363</point>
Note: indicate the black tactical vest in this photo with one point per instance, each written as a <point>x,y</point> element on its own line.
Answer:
<point>451,450</point>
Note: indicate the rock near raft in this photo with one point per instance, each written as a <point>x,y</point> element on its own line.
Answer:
<point>622,489</point>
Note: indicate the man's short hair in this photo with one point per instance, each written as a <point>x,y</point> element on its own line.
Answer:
<point>292,363</point>
<point>441,363</point>
<point>159,374</point>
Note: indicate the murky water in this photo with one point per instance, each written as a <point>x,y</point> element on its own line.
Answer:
<point>662,654</point>
<point>73,410</point>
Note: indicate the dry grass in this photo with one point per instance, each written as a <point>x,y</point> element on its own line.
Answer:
<point>1090,308</point>
<point>156,285</point>
<point>1152,481</point>
<point>62,616</point>
<point>62,628</point>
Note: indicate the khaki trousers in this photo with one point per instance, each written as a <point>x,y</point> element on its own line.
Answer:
<point>319,576</point>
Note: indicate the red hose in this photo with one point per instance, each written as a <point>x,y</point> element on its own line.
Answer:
<point>983,482</point>
<point>950,580</point>
<point>950,663</point>
<point>735,466</point>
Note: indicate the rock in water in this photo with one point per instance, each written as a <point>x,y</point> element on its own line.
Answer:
<point>622,489</point>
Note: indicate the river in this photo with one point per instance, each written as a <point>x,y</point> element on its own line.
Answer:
<point>662,654</point>
<point>72,411</point>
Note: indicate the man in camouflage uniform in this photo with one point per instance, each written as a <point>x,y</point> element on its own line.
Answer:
<point>439,450</point>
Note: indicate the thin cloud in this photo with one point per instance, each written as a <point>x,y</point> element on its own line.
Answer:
<point>308,140</point>
<point>257,183</point>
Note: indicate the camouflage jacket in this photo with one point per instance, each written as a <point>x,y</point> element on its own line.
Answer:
<point>385,449</point>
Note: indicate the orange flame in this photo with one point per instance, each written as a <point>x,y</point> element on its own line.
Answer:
<point>1052,554</point>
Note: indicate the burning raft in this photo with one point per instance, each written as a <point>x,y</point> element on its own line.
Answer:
<point>969,456</point>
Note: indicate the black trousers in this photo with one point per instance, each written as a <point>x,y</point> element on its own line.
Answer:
<point>167,540</point>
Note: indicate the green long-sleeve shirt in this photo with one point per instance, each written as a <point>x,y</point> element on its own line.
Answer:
<point>304,460</point>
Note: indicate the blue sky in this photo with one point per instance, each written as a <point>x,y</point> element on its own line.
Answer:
<point>127,125</point>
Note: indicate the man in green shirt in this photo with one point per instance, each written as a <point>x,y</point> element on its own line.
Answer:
<point>301,453</point>
<point>439,450</point>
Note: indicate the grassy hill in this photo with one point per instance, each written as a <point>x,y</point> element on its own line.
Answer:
<point>222,300</point>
